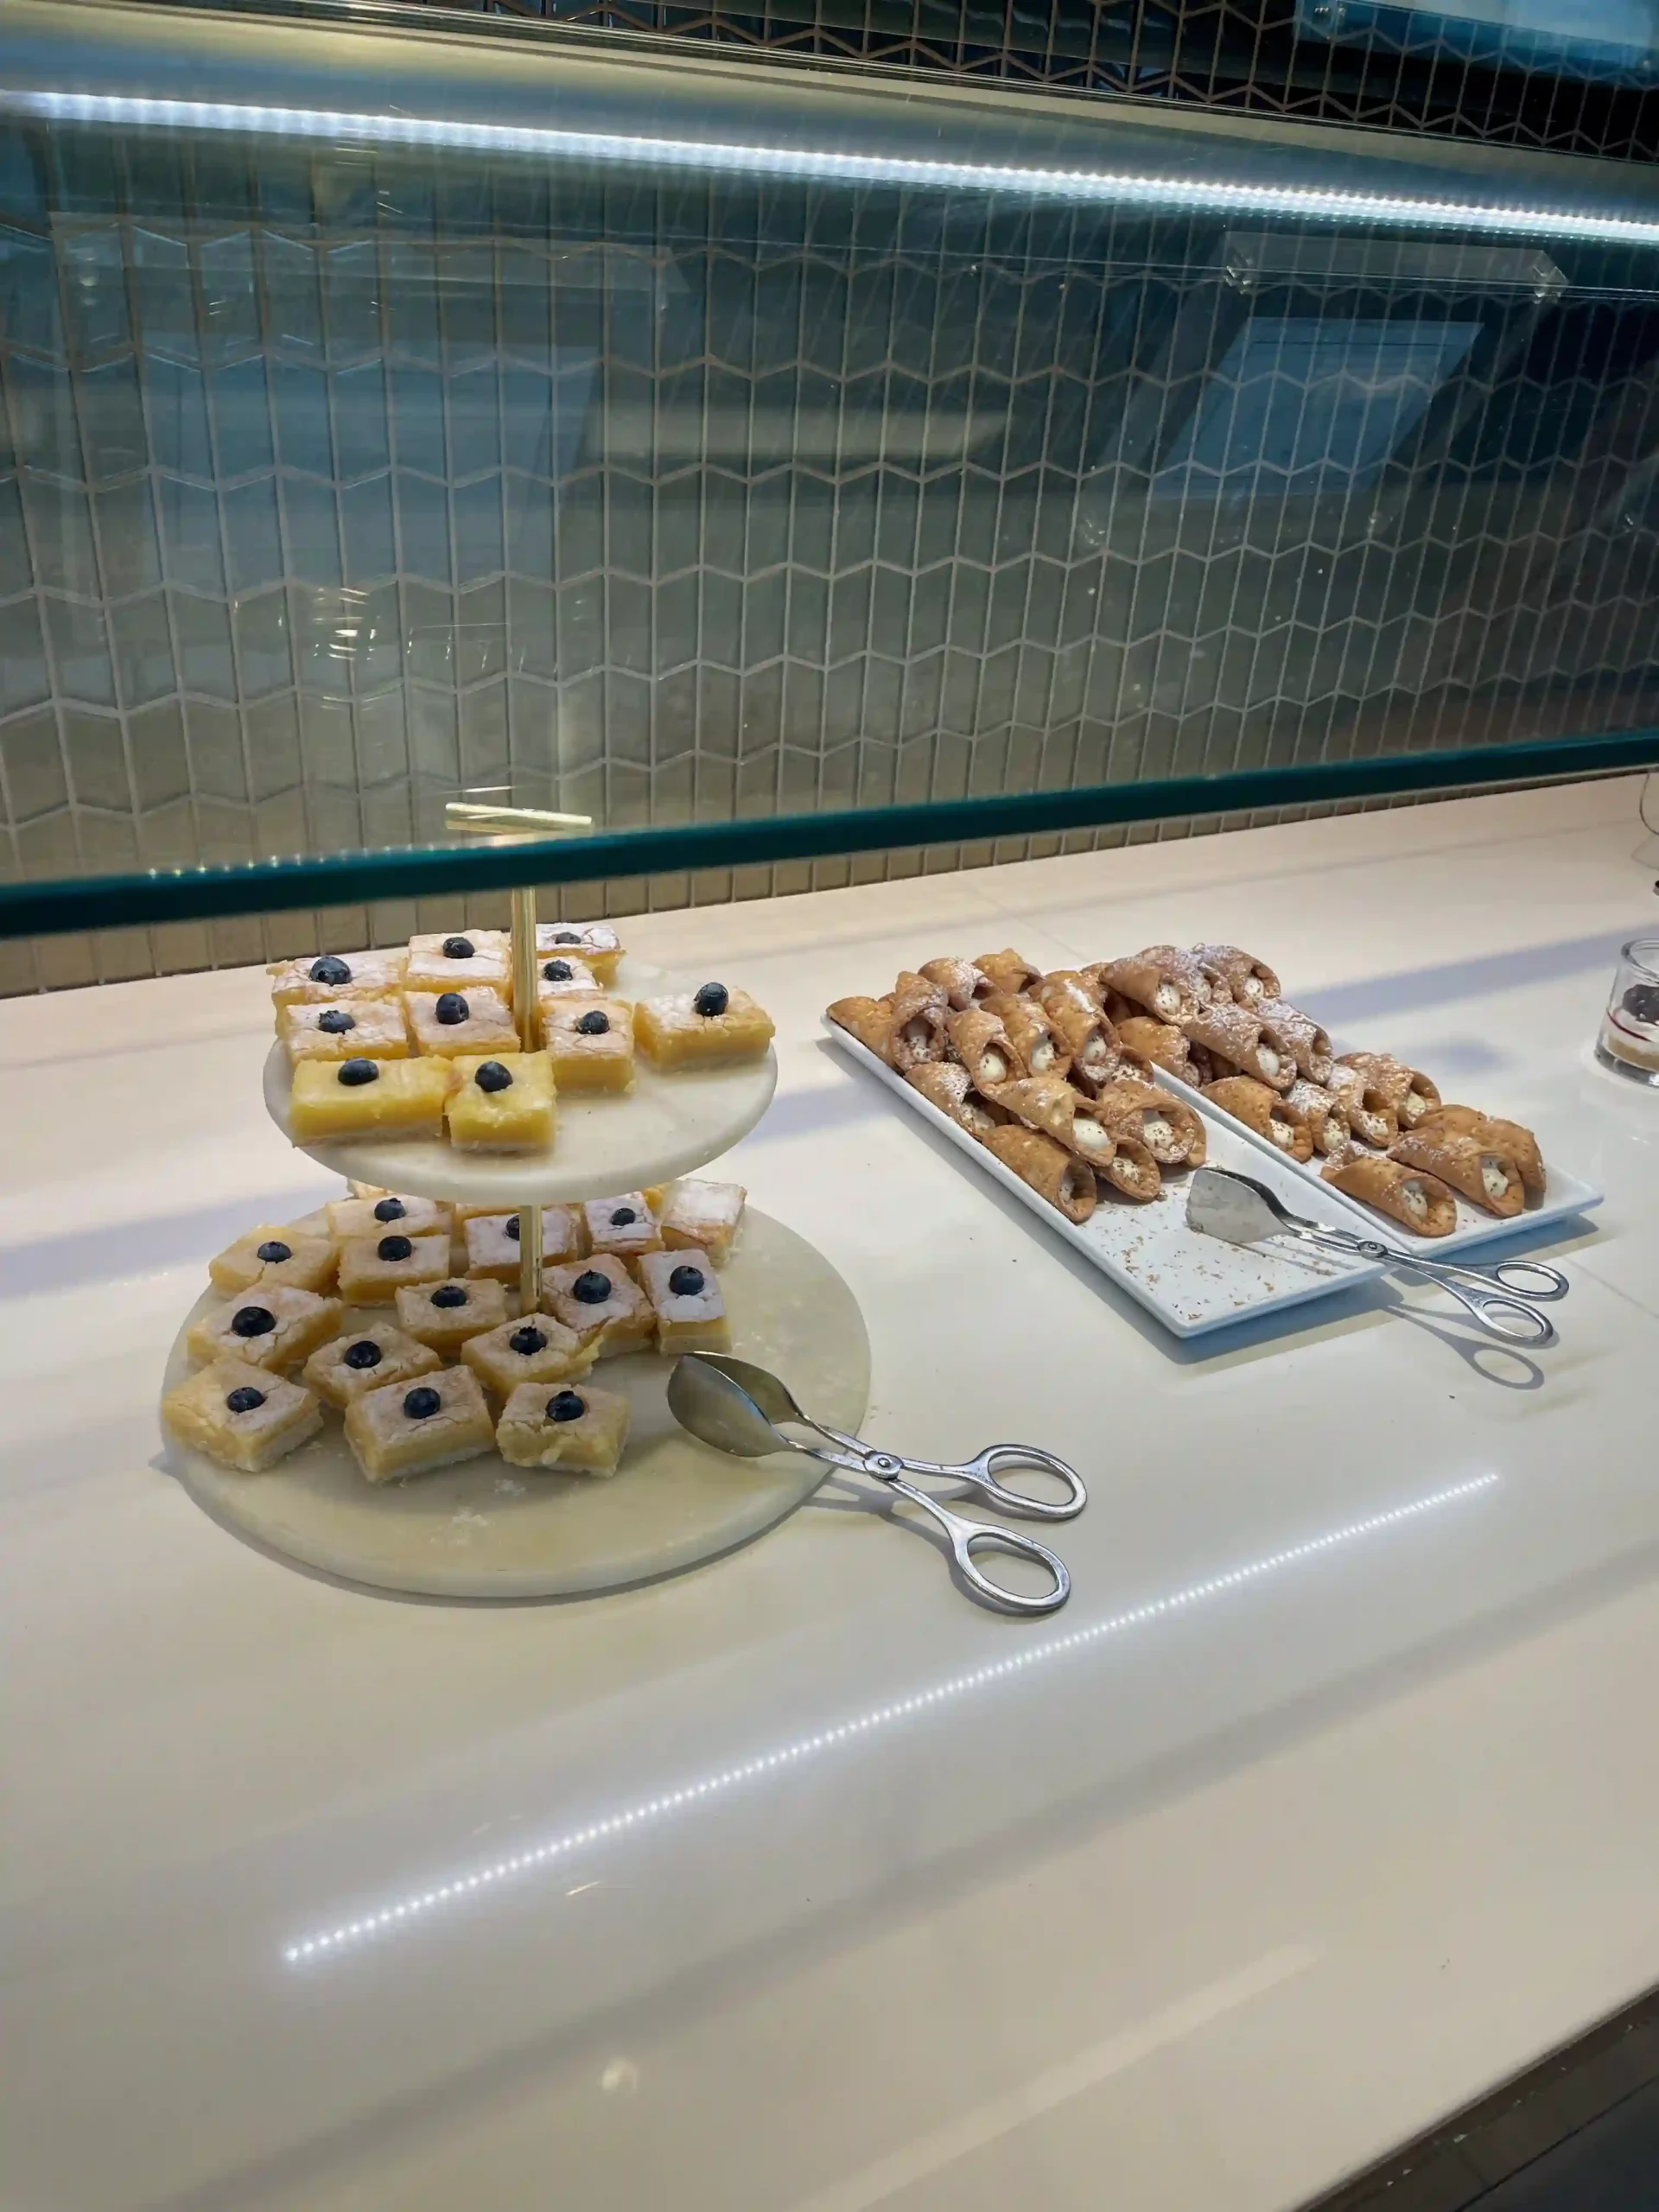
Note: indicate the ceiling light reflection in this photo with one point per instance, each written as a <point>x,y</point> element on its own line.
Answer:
<point>557,1848</point>
<point>820,165</point>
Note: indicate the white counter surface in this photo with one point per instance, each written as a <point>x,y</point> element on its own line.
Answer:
<point>1328,1802</point>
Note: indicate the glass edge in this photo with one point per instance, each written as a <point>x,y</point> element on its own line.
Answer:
<point>143,898</point>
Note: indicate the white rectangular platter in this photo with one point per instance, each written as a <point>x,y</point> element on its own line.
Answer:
<point>1193,1284</point>
<point>1564,1196</point>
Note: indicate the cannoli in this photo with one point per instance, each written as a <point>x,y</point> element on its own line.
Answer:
<point>983,1045</point>
<point>1132,1171</point>
<point>1116,1008</point>
<point>963,984</point>
<point>1248,980</point>
<point>1485,1173</point>
<point>1310,1045</point>
<point>1161,1042</point>
<point>947,1084</point>
<point>1409,1091</point>
<point>1180,961</point>
<point>1048,1102</point>
<point>1262,1110</point>
<point>1091,1043</point>
<point>1510,1137</point>
<point>918,1016</point>
<point>1172,1133</point>
<point>1228,1033</point>
<point>868,1020</point>
<point>1037,1046</point>
<point>1405,1194</point>
<point>1321,1114</point>
<point>1007,971</point>
<point>1067,989</point>
<point>1370,1117</point>
<point>1164,988</point>
<point>1048,1167</point>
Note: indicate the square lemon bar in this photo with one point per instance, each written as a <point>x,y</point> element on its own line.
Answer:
<point>502,1105</point>
<point>373,1269</point>
<point>493,1249</point>
<point>362,1097</point>
<point>595,944</point>
<point>267,1254</point>
<point>590,1041</point>
<point>686,1298</point>
<point>624,1225</point>
<point>240,1416</point>
<point>368,1029</point>
<point>274,1325</point>
<point>365,1359</point>
<point>567,979</point>
<point>445,1314</point>
<point>579,1432</point>
<point>457,962</point>
<point>703,1217</point>
<point>407,1429</point>
<point>600,1300</point>
<point>449,1023</point>
<point>362,975</point>
<point>374,1216</point>
<point>535,1349</point>
<point>692,1028</point>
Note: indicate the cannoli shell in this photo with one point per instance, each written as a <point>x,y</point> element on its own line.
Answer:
<point>1091,1043</point>
<point>1510,1137</point>
<point>1228,1032</point>
<point>1048,1102</point>
<point>1247,978</point>
<point>1400,1084</point>
<point>1166,992</point>
<point>972,1034</point>
<point>1048,1167</point>
<point>918,1033</point>
<point>1370,1116</point>
<point>868,1020</point>
<point>963,984</point>
<point>1457,1162</point>
<point>1179,962</point>
<point>1264,1111</point>
<point>1036,1042</point>
<point>1124,1108</point>
<point>1161,1042</point>
<point>1310,1045</point>
<point>1378,1182</point>
<point>1067,989</point>
<point>946,1084</point>
<point>1322,1114</point>
<point>1132,1172</point>
<point>1009,972</point>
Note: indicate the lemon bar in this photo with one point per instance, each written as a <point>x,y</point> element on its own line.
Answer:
<point>600,1300</point>
<point>459,961</point>
<point>579,1432</point>
<point>373,1269</point>
<point>494,1250</point>
<point>240,1416</point>
<point>595,944</point>
<point>686,1298</point>
<point>364,1359</point>
<point>444,1314</point>
<point>363,976</point>
<point>535,1349</point>
<point>590,1042</point>
<point>502,1105</point>
<point>267,1254</point>
<point>560,977</point>
<point>407,1429</point>
<point>362,1097</point>
<point>275,1325</point>
<point>623,1225</point>
<point>703,1217</point>
<point>449,1023</point>
<point>368,1029</point>
<point>695,1028</point>
<point>387,1209</point>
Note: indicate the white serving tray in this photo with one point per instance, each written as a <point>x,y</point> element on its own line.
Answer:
<point>1565,1196</point>
<point>1194,1284</point>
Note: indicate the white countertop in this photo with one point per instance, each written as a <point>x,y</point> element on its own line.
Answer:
<point>1205,1903</point>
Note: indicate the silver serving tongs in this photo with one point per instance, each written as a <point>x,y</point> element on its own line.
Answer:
<point>737,1407</point>
<point>1241,1210</point>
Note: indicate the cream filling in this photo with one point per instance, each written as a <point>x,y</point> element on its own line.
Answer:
<point>1282,1132</point>
<point>1042,1056</point>
<point>1154,1131</point>
<point>1167,1001</point>
<point>993,1068</point>
<point>1411,1108</point>
<point>1493,1180</point>
<point>1267,1060</point>
<point>1250,991</point>
<point>1371,1127</point>
<point>1075,1183</point>
<point>1415,1200</point>
<point>975,1117</point>
<point>1330,1136</point>
<point>1093,1054</point>
<point>1090,1134</point>
<point>917,1035</point>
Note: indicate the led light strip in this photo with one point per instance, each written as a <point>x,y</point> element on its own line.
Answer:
<point>419,1903</point>
<point>819,165</point>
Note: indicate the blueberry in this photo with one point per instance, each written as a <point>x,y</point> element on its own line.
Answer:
<point>494,1076</point>
<point>595,1024</point>
<point>622,1217</point>
<point>330,970</point>
<point>334,1021</point>
<point>567,936</point>
<point>686,1282</point>
<point>565,1406</point>
<point>1641,1003</point>
<point>421,1405</point>
<point>557,971</point>
<point>274,1251</point>
<point>364,1353</point>
<point>389,1209</point>
<point>393,1247</point>
<point>591,1288</point>
<point>458,948</point>
<point>247,1400</point>
<point>509,1227</point>
<point>451,1008</point>
<point>352,1072</point>
<point>448,1295</point>
<point>712,998</point>
<point>252,1321</point>
<point>527,1340</point>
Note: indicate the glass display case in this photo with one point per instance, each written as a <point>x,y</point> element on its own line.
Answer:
<point>754,468</point>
